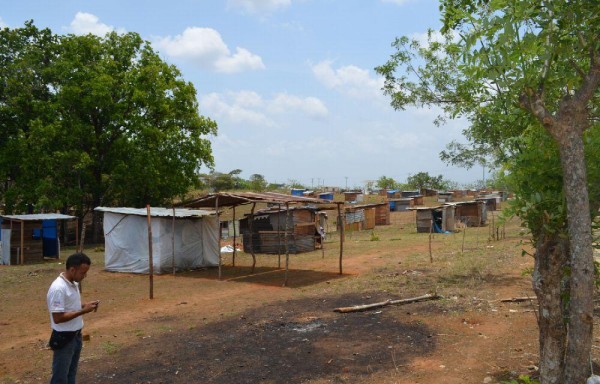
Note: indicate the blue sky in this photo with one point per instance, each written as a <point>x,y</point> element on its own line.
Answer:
<point>290,83</point>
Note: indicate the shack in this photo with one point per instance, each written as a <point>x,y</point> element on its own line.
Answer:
<point>28,239</point>
<point>471,213</point>
<point>492,202</point>
<point>438,219</point>
<point>267,234</point>
<point>181,240</point>
<point>401,204</point>
<point>351,196</point>
<point>444,197</point>
<point>220,200</point>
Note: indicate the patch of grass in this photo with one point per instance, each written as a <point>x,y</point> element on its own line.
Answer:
<point>109,347</point>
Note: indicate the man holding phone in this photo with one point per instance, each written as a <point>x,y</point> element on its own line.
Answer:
<point>66,310</point>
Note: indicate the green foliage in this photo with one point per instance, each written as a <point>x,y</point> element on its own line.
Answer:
<point>385,182</point>
<point>257,182</point>
<point>295,184</point>
<point>374,237</point>
<point>523,379</point>
<point>90,120</point>
<point>424,180</point>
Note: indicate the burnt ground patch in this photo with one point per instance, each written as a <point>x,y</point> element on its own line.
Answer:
<point>286,342</point>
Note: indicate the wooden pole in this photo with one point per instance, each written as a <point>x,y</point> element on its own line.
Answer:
<point>76,231</point>
<point>234,237</point>
<point>22,255</point>
<point>279,236</point>
<point>173,241</point>
<point>219,235</point>
<point>57,241</point>
<point>341,225</point>
<point>285,239</point>
<point>150,261</point>
<point>251,230</point>
<point>462,250</point>
<point>430,232</point>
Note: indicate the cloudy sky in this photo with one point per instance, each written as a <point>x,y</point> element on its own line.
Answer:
<point>290,82</point>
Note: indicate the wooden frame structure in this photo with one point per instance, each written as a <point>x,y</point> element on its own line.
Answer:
<point>227,199</point>
<point>28,248</point>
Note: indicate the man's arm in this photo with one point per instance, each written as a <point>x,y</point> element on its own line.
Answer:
<point>62,317</point>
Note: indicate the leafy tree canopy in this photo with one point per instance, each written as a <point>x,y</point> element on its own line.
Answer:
<point>87,120</point>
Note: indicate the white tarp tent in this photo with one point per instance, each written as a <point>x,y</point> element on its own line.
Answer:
<point>196,239</point>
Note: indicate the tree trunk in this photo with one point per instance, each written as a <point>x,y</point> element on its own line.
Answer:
<point>580,325</point>
<point>551,258</point>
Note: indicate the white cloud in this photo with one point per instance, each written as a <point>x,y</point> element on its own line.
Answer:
<point>85,23</point>
<point>349,80</point>
<point>230,108</point>
<point>313,107</point>
<point>258,6</point>
<point>397,2</point>
<point>205,47</point>
<point>249,108</point>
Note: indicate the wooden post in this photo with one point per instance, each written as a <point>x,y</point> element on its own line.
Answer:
<point>279,236</point>
<point>173,241</point>
<point>341,225</point>
<point>76,231</point>
<point>22,256</point>
<point>219,235</point>
<point>250,228</point>
<point>150,261</point>
<point>234,237</point>
<point>57,240</point>
<point>285,239</point>
<point>462,250</point>
<point>430,231</point>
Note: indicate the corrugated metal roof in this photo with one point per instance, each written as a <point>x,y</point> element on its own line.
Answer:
<point>157,211</point>
<point>39,216</point>
<point>227,199</point>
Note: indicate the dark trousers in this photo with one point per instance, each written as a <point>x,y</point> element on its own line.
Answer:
<point>64,362</point>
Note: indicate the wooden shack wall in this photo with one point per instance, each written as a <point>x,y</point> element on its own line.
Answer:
<point>424,218</point>
<point>301,233</point>
<point>449,222</point>
<point>382,215</point>
<point>33,249</point>
<point>369,222</point>
<point>470,214</point>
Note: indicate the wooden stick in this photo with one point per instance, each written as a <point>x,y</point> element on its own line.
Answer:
<point>364,307</point>
<point>150,262</point>
<point>430,231</point>
<point>251,239</point>
<point>287,248</point>
<point>234,238</point>
<point>342,236</point>
<point>518,299</point>
<point>173,239</point>
<point>219,236</point>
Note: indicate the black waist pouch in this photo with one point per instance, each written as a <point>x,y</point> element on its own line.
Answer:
<point>58,340</point>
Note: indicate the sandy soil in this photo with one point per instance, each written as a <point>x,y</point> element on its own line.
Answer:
<point>250,329</point>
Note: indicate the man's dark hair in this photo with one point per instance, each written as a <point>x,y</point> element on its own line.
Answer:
<point>76,259</point>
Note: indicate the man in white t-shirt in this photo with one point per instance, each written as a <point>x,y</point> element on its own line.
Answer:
<point>66,310</point>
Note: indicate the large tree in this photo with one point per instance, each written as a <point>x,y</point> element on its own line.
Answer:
<point>510,66</point>
<point>425,180</point>
<point>94,120</point>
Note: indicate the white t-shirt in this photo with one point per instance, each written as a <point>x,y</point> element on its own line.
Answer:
<point>63,296</point>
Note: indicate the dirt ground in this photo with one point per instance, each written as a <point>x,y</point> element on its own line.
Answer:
<point>250,329</point>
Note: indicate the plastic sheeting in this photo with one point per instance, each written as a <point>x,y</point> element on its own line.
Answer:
<point>5,247</point>
<point>126,243</point>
